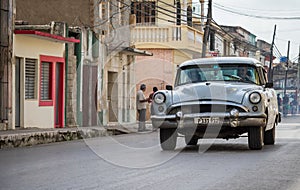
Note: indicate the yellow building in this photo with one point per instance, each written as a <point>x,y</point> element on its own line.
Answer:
<point>39,74</point>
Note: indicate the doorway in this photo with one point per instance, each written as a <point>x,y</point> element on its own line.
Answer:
<point>18,93</point>
<point>89,95</point>
<point>59,94</point>
<point>112,96</point>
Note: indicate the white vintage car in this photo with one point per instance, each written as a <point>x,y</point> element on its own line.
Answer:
<point>217,98</point>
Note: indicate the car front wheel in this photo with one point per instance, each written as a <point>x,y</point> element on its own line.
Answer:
<point>255,138</point>
<point>269,136</point>
<point>168,139</point>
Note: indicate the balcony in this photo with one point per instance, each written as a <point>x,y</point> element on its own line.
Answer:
<point>177,37</point>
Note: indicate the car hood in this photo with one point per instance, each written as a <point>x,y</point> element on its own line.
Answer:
<point>213,91</point>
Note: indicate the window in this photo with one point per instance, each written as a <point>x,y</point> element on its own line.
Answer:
<point>144,11</point>
<point>217,72</point>
<point>102,10</point>
<point>46,79</point>
<point>30,78</point>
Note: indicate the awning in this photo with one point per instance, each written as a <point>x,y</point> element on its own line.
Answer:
<point>136,52</point>
<point>47,36</point>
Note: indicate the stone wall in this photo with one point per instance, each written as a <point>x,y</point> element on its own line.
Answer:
<point>71,107</point>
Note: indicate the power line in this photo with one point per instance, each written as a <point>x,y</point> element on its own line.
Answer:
<point>259,10</point>
<point>254,16</point>
<point>173,6</point>
<point>278,52</point>
<point>145,13</point>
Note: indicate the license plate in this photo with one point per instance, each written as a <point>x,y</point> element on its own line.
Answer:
<point>207,120</point>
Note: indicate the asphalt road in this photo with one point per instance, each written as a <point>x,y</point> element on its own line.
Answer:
<point>136,161</point>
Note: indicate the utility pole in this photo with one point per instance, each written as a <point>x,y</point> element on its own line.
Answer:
<point>287,69</point>
<point>207,28</point>
<point>270,72</point>
<point>285,97</point>
<point>298,77</point>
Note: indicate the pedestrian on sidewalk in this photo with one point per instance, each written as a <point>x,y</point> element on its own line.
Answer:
<point>152,93</point>
<point>286,105</point>
<point>155,89</point>
<point>279,101</point>
<point>141,104</point>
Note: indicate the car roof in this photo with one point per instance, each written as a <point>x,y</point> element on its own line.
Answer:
<point>221,60</point>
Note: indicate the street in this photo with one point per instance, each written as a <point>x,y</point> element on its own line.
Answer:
<point>135,161</point>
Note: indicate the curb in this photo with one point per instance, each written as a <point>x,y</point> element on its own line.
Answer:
<point>34,136</point>
<point>12,139</point>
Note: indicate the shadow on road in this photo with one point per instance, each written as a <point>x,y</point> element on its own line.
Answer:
<point>219,147</point>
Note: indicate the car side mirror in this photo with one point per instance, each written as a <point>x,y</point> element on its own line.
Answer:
<point>169,87</point>
<point>269,85</point>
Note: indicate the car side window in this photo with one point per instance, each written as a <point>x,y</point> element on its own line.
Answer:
<point>263,75</point>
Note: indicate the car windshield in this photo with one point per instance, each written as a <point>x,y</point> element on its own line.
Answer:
<point>217,72</point>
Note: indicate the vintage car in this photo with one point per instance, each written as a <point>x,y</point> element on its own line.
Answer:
<point>223,97</point>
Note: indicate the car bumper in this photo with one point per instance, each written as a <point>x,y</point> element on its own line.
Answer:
<point>225,119</point>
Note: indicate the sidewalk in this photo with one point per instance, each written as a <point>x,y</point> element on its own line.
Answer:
<point>34,136</point>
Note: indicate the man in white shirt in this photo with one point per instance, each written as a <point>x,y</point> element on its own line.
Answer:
<point>141,105</point>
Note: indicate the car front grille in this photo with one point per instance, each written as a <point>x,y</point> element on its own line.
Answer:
<point>204,108</point>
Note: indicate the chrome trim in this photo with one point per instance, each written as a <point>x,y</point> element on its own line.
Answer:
<point>206,102</point>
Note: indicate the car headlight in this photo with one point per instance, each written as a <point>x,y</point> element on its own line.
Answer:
<point>255,97</point>
<point>159,98</point>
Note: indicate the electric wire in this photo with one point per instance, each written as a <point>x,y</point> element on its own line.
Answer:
<point>263,11</point>
<point>255,16</point>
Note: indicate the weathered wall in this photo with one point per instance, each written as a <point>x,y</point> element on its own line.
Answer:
<point>6,60</point>
<point>74,12</point>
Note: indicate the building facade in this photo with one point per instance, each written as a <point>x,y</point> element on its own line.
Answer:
<point>105,83</point>
<point>39,75</point>
<point>244,41</point>
<point>166,29</point>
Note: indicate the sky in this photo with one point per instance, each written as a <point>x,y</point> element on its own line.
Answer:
<point>287,29</point>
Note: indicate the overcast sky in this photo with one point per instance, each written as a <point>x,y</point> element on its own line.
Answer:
<point>263,28</point>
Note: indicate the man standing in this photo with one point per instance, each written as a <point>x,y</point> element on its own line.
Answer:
<point>141,104</point>
<point>279,101</point>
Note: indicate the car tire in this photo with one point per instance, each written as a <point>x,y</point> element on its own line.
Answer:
<point>190,140</point>
<point>269,136</point>
<point>255,138</point>
<point>168,139</point>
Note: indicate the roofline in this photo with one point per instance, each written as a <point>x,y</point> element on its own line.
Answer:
<point>46,36</point>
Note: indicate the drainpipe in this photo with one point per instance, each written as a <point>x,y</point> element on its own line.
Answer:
<point>79,55</point>
<point>66,75</point>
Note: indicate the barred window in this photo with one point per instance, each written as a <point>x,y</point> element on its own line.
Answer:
<point>30,78</point>
<point>145,12</point>
<point>46,81</point>
<point>103,10</point>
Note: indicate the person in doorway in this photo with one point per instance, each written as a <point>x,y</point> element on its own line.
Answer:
<point>141,104</point>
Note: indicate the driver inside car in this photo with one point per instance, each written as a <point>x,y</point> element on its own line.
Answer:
<point>244,74</point>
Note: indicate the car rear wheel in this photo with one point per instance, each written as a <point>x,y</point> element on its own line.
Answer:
<point>168,139</point>
<point>255,138</point>
<point>190,140</point>
<point>269,136</point>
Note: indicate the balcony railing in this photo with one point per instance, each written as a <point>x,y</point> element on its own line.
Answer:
<point>179,37</point>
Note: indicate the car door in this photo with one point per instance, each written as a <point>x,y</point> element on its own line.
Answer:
<point>271,99</point>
